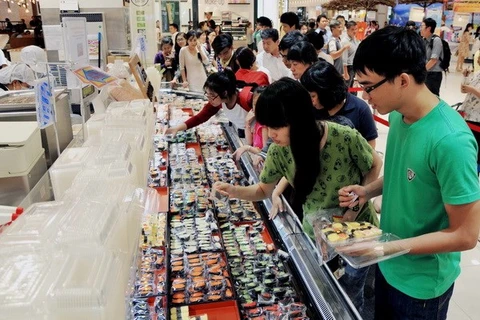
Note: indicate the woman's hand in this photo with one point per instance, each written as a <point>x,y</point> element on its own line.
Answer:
<point>173,131</point>
<point>466,88</point>
<point>249,119</point>
<point>238,153</point>
<point>277,206</point>
<point>224,189</point>
<point>352,196</point>
<point>185,84</point>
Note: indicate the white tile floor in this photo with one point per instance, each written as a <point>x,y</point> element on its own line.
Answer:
<point>465,303</point>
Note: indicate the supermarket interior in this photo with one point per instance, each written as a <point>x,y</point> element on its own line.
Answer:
<point>136,182</point>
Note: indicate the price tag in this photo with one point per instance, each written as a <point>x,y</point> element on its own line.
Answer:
<point>44,103</point>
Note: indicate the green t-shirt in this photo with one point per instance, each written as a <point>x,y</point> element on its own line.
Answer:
<point>345,158</point>
<point>429,163</point>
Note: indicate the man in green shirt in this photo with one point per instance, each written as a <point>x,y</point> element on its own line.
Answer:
<point>430,186</point>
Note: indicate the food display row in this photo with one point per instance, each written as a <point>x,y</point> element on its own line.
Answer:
<point>206,256</point>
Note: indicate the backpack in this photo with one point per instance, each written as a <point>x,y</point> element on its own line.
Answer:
<point>447,54</point>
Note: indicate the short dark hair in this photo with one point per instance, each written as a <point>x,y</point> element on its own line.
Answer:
<point>316,39</point>
<point>340,17</point>
<point>304,52</point>
<point>245,57</point>
<point>269,33</point>
<point>321,16</point>
<point>430,23</point>
<point>174,25</point>
<point>350,24</point>
<point>264,21</point>
<point>376,53</point>
<point>410,23</point>
<point>222,83</point>
<point>201,24</point>
<point>291,19</point>
<point>222,41</point>
<point>166,40</point>
<point>311,25</point>
<point>324,79</point>
<point>290,39</point>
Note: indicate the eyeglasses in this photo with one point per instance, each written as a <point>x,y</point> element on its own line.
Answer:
<point>375,86</point>
<point>209,96</point>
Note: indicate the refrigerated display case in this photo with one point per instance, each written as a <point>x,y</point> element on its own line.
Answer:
<point>229,238</point>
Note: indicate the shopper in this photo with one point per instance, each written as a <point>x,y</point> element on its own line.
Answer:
<point>222,93</point>
<point>301,56</point>
<point>210,22</point>
<point>304,27</point>
<point>434,52</point>
<point>224,52</point>
<point>270,58</point>
<point>289,21</point>
<point>316,39</point>
<point>166,58</point>
<point>249,71</point>
<point>372,27</point>
<point>192,63</point>
<point>306,153</point>
<point>180,42</point>
<point>208,46</point>
<point>349,54</point>
<point>322,26</point>
<point>16,76</point>
<point>464,46</point>
<point>256,135</point>
<point>342,21</point>
<point>287,42</point>
<point>262,24</point>
<point>335,48</point>
<point>329,93</point>
<point>430,187</point>
<point>173,29</point>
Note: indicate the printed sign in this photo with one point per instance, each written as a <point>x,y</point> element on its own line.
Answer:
<point>44,103</point>
<point>95,76</point>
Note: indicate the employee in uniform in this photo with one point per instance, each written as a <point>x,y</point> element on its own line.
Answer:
<point>17,76</point>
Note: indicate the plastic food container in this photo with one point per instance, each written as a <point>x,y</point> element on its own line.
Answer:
<point>366,253</point>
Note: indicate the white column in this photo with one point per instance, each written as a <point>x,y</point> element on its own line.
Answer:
<point>269,9</point>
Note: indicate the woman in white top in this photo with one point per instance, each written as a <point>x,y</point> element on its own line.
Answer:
<point>192,63</point>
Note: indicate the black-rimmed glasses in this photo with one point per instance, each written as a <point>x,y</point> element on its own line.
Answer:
<point>373,87</point>
<point>209,96</point>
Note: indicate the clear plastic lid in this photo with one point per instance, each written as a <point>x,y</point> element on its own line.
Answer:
<point>86,284</point>
<point>113,151</point>
<point>381,248</point>
<point>36,225</point>
<point>88,224</point>
<point>72,157</point>
<point>24,276</point>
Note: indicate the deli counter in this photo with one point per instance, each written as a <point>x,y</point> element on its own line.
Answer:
<point>172,247</point>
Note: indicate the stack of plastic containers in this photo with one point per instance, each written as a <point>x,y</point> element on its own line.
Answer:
<point>71,259</point>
